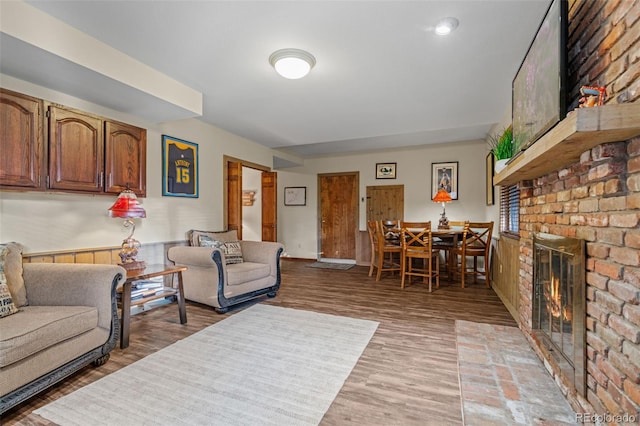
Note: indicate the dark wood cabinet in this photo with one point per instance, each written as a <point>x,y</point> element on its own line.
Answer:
<point>125,158</point>
<point>76,150</point>
<point>82,152</point>
<point>21,141</point>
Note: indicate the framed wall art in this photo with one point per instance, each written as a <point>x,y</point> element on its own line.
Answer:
<point>445,176</point>
<point>179,167</point>
<point>490,189</point>
<point>385,170</point>
<point>295,196</point>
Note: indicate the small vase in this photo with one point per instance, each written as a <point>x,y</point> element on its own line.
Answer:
<point>500,165</point>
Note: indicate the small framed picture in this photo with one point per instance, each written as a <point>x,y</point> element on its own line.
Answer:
<point>179,167</point>
<point>385,170</point>
<point>295,196</point>
<point>490,189</point>
<point>445,176</point>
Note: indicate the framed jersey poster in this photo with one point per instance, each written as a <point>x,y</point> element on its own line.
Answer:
<point>179,167</point>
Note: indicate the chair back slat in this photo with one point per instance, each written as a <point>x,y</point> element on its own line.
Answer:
<point>416,236</point>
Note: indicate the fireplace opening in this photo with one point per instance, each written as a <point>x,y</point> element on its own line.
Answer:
<point>559,304</point>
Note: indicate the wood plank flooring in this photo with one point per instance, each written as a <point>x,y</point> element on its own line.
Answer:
<point>407,375</point>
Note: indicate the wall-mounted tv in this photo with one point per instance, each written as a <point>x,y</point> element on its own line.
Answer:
<point>539,87</point>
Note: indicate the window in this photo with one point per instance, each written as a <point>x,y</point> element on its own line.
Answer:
<point>510,210</point>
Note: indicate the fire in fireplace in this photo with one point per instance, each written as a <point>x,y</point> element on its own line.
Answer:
<point>559,304</point>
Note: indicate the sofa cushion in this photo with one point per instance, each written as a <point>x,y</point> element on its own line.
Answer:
<point>35,328</point>
<point>231,249</point>
<point>13,272</point>
<point>193,236</point>
<point>240,273</point>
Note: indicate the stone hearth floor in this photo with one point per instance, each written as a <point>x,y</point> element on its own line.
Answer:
<point>502,381</point>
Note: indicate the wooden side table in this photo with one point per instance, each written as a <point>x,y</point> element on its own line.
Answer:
<point>150,271</point>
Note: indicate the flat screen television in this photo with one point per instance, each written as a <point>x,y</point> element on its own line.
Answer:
<point>539,87</point>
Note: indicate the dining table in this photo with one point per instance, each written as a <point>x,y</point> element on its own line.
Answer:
<point>439,235</point>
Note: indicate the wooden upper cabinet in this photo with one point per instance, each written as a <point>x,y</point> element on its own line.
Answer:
<point>76,150</point>
<point>125,158</point>
<point>21,141</point>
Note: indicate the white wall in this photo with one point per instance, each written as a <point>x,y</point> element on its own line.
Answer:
<point>298,225</point>
<point>56,221</point>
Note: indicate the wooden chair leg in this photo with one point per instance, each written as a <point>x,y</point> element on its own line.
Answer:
<point>487,272</point>
<point>372,264</point>
<point>402,271</point>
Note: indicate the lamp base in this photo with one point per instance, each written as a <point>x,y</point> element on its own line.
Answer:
<point>134,266</point>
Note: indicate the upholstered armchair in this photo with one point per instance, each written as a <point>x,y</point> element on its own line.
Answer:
<point>223,271</point>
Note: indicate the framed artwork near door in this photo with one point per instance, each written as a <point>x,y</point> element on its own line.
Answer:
<point>445,176</point>
<point>179,167</point>
<point>385,170</point>
<point>295,196</point>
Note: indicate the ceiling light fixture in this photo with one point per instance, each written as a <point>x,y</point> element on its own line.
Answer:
<point>446,26</point>
<point>292,63</point>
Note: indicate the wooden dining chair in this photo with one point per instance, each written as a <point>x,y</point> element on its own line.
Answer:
<point>476,242</point>
<point>382,251</point>
<point>447,244</point>
<point>417,243</point>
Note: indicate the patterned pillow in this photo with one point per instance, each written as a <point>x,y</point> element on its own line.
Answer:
<point>13,273</point>
<point>234,252</point>
<point>193,236</point>
<point>7,307</point>
<point>231,249</point>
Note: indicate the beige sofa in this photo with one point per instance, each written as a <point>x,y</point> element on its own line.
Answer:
<point>67,320</point>
<point>220,276</point>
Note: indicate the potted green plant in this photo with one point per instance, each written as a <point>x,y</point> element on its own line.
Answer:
<point>502,147</point>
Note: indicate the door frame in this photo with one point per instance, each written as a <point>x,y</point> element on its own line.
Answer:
<point>356,196</point>
<point>226,159</point>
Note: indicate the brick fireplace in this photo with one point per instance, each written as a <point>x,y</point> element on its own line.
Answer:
<point>595,199</point>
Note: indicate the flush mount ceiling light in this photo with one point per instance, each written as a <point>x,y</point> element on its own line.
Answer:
<point>292,63</point>
<point>446,26</point>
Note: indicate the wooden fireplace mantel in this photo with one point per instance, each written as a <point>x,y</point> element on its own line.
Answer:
<point>583,129</point>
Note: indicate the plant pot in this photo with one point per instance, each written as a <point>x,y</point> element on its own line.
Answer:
<point>500,165</point>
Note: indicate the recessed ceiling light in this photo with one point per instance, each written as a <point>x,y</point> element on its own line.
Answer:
<point>446,26</point>
<point>292,63</point>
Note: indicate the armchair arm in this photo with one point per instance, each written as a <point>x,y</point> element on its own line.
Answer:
<point>74,284</point>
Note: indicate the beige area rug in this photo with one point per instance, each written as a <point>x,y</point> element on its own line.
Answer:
<point>265,365</point>
<point>503,382</point>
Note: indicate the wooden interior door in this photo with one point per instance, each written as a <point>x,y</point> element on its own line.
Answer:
<point>269,209</point>
<point>234,197</point>
<point>385,202</point>
<point>338,215</point>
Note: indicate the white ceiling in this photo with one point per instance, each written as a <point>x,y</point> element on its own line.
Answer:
<point>383,79</point>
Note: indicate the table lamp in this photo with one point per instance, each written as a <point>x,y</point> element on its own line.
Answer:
<point>127,207</point>
<point>442,197</point>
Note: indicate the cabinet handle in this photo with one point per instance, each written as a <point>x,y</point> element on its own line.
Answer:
<point>101,179</point>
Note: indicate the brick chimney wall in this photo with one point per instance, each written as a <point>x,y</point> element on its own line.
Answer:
<point>597,199</point>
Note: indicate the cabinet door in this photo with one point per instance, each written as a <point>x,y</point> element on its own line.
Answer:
<point>21,141</point>
<point>125,158</point>
<point>76,150</point>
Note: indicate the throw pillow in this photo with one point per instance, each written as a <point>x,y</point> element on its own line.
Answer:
<point>7,307</point>
<point>206,241</point>
<point>13,273</point>
<point>234,252</point>
<point>231,249</point>
<point>193,236</point>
